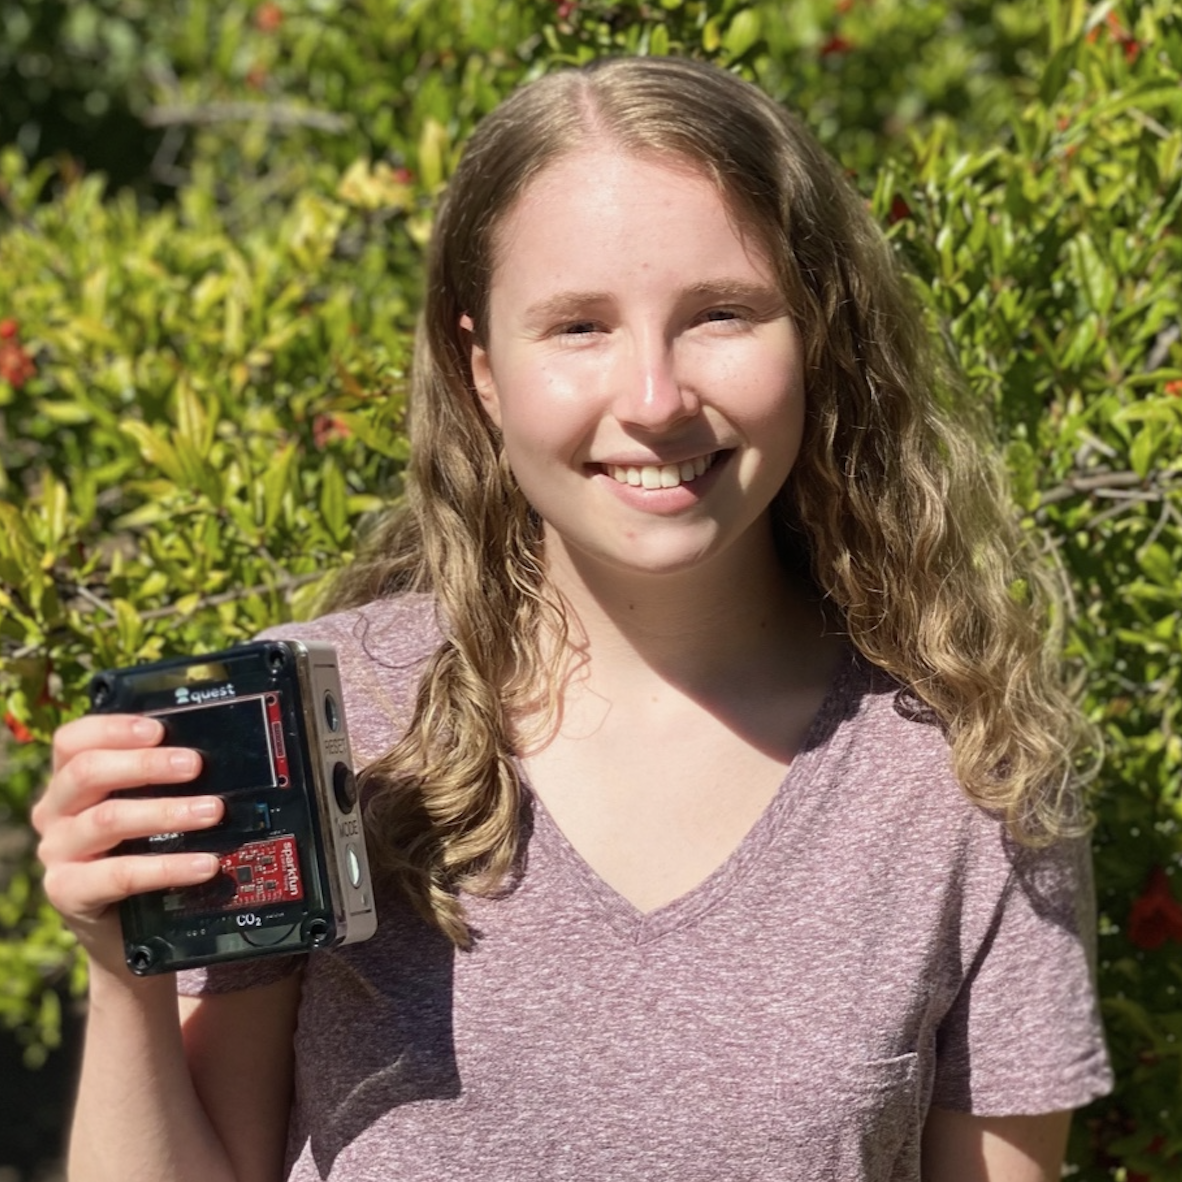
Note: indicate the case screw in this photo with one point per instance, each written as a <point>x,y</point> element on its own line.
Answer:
<point>141,959</point>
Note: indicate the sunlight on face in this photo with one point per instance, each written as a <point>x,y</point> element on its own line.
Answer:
<point>641,364</point>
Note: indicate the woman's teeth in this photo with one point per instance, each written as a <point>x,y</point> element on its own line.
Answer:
<point>660,476</point>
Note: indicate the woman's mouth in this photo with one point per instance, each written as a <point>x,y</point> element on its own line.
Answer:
<point>652,476</point>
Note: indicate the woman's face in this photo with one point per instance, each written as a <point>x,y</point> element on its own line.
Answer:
<point>641,364</point>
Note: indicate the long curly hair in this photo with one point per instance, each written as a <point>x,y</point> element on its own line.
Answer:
<point>895,507</point>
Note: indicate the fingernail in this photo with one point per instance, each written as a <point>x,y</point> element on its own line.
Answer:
<point>146,728</point>
<point>204,863</point>
<point>183,761</point>
<point>206,808</point>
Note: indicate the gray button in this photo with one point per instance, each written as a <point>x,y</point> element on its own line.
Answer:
<point>354,864</point>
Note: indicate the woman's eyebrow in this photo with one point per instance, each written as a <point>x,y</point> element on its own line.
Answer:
<point>565,303</point>
<point>570,303</point>
<point>738,290</point>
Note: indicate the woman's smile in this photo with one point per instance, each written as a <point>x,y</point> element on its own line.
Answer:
<point>658,475</point>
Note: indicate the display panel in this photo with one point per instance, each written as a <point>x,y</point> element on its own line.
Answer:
<point>250,751</point>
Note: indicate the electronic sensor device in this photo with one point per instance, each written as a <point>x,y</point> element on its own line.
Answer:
<point>268,721</point>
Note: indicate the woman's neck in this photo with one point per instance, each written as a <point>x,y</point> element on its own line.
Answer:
<point>741,619</point>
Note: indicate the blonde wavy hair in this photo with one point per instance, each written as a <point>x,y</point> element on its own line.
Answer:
<point>894,508</point>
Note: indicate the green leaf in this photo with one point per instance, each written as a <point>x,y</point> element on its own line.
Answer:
<point>55,503</point>
<point>20,556</point>
<point>195,422</point>
<point>333,494</point>
<point>433,144</point>
<point>1094,274</point>
<point>129,627</point>
<point>276,482</point>
<point>1142,451</point>
<point>743,32</point>
<point>155,448</point>
<point>1158,565</point>
<point>1023,468</point>
<point>65,414</point>
<point>1055,73</point>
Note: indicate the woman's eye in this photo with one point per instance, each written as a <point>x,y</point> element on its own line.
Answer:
<point>578,328</point>
<point>720,315</point>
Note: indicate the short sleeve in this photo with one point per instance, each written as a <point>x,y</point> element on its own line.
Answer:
<point>231,976</point>
<point>1023,1035</point>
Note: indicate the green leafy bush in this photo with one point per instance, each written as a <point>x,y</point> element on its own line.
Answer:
<point>201,384</point>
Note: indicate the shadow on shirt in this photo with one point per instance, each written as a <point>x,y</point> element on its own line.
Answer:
<point>376,1032</point>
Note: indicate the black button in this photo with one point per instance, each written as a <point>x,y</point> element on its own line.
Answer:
<point>344,784</point>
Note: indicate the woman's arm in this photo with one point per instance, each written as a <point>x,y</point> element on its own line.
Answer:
<point>209,1104</point>
<point>207,1101</point>
<point>240,1052</point>
<point>960,1147</point>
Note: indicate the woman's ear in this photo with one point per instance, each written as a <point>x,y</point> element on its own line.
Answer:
<point>482,376</point>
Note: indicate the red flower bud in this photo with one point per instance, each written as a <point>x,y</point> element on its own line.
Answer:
<point>1156,916</point>
<point>836,44</point>
<point>19,731</point>
<point>1174,388</point>
<point>900,210</point>
<point>268,18</point>
<point>16,366</point>
<point>326,428</point>
<point>8,329</point>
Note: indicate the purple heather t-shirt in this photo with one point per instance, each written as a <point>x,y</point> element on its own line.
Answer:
<point>873,947</point>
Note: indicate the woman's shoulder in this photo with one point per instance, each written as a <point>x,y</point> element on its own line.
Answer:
<point>382,648</point>
<point>889,768</point>
<point>893,761</point>
<point>400,627</point>
<point>884,722</point>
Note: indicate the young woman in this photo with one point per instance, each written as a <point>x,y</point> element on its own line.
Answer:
<point>717,755</point>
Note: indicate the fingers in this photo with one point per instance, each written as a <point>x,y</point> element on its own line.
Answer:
<point>97,830</point>
<point>83,817</point>
<point>104,731</point>
<point>86,773</point>
<point>82,890</point>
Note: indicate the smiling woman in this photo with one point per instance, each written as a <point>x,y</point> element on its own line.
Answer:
<point>722,786</point>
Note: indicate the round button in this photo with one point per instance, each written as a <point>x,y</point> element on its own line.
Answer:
<point>344,786</point>
<point>353,863</point>
<point>332,712</point>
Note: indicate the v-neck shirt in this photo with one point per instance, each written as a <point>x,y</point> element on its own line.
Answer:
<point>875,945</point>
<point>634,924</point>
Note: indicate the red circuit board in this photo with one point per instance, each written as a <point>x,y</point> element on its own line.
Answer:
<point>278,749</point>
<point>262,872</point>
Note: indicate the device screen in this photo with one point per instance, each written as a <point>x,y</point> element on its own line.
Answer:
<point>240,741</point>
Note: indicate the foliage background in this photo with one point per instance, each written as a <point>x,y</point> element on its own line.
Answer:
<point>212,217</point>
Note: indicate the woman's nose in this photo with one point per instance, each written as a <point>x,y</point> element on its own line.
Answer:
<point>650,391</point>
